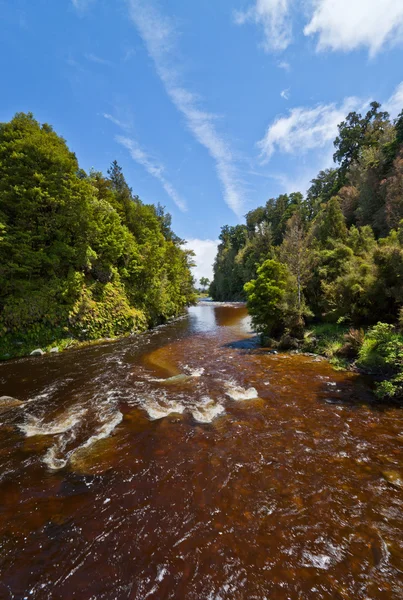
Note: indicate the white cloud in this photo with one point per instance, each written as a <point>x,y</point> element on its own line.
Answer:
<point>283,64</point>
<point>349,24</point>
<point>274,17</point>
<point>340,25</point>
<point>395,103</point>
<point>159,37</point>
<point>299,179</point>
<point>285,94</point>
<point>98,60</point>
<point>152,167</point>
<point>205,251</point>
<point>313,129</point>
<point>82,5</point>
<point>306,128</point>
<point>116,121</point>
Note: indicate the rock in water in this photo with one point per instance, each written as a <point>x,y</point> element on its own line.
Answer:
<point>7,402</point>
<point>394,478</point>
<point>37,352</point>
<point>177,379</point>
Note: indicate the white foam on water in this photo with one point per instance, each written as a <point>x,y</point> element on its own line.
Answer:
<point>238,393</point>
<point>52,461</point>
<point>105,430</point>
<point>157,411</point>
<point>208,412</point>
<point>197,372</point>
<point>66,422</point>
<point>46,393</point>
<point>319,561</point>
<point>162,571</point>
<point>56,458</point>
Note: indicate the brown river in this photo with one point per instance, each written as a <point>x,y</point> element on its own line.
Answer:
<point>188,463</point>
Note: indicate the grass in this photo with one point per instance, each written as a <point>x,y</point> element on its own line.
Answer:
<point>377,351</point>
<point>327,339</point>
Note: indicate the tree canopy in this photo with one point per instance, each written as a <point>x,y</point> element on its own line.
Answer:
<point>80,253</point>
<point>341,243</point>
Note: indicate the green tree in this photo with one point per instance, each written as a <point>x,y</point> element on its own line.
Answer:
<point>204,283</point>
<point>355,133</point>
<point>265,297</point>
<point>80,254</point>
<point>295,254</point>
<point>329,224</point>
<point>323,187</point>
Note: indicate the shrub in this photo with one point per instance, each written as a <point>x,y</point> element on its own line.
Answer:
<point>382,352</point>
<point>353,341</point>
<point>107,316</point>
<point>266,295</point>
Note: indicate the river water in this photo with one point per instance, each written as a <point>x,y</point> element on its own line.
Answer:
<point>190,463</point>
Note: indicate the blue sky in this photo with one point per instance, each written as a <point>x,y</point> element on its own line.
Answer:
<point>210,106</point>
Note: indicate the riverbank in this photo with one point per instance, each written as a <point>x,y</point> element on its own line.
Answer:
<point>375,351</point>
<point>52,341</point>
<point>25,346</point>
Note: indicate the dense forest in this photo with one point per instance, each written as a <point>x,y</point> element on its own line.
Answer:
<point>81,257</point>
<point>334,256</point>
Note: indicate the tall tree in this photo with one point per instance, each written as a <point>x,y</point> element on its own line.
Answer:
<point>295,254</point>
<point>204,282</point>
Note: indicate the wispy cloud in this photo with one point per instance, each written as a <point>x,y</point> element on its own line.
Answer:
<point>395,103</point>
<point>116,121</point>
<point>285,94</point>
<point>82,5</point>
<point>305,128</point>
<point>300,178</point>
<point>274,17</point>
<point>159,37</point>
<point>98,60</point>
<point>283,64</point>
<point>71,62</point>
<point>152,167</point>
<point>129,52</point>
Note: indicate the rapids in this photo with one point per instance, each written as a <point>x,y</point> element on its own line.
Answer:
<point>188,463</point>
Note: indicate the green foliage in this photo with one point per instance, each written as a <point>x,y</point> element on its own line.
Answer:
<point>382,352</point>
<point>356,133</point>
<point>204,283</point>
<point>228,274</point>
<point>266,295</point>
<point>323,187</point>
<point>80,253</point>
<point>341,247</point>
<point>329,224</point>
<point>274,302</point>
<point>103,311</point>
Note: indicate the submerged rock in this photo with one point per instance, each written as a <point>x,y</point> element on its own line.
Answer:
<point>240,393</point>
<point>177,379</point>
<point>9,402</point>
<point>37,352</point>
<point>207,413</point>
<point>394,478</point>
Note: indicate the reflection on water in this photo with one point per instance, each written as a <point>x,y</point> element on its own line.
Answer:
<point>189,463</point>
